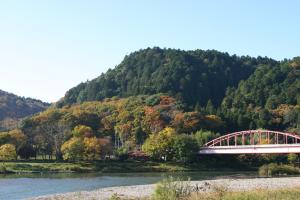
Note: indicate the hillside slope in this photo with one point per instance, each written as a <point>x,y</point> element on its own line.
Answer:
<point>194,76</point>
<point>269,98</point>
<point>13,108</point>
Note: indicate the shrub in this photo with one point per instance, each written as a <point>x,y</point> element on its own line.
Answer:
<point>3,169</point>
<point>115,197</point>
<point>292,158</point>
<point>122,153</point>
<point>276,169</point>
<point>172,189</point>
<point>153,100</point>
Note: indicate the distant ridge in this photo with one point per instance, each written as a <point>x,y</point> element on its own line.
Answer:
<point>13,108</point>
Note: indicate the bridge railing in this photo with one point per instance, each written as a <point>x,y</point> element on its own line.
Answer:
<point>254,137</point>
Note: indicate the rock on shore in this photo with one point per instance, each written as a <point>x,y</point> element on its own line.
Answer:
<point>141,191</point>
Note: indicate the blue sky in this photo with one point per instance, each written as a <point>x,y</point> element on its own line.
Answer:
<point>47,47</point>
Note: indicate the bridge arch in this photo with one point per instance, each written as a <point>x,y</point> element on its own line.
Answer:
<point>253,141</point>
<point>256,137</point>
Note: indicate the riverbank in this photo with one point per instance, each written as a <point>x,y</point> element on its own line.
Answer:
<point>145,191</point>
<point>110,166</point>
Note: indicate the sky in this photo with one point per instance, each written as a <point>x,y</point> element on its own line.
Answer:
<point>50,46</point>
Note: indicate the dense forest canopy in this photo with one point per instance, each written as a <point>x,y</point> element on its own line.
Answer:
<point>269,98</point>
<point>13,108</point>
<point>195,76</point>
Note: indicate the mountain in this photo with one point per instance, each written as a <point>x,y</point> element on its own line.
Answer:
<point>13,108</point>
<point>193,76</point>
<point>173,93</point>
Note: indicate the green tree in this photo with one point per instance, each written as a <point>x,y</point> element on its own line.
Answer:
<point>210,107</point>
<point>203,137</point>
<point>292,158</point>
<point>185,148</point>
<point>26,151</point>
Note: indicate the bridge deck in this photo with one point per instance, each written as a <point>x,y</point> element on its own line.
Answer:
<point>251,149</point>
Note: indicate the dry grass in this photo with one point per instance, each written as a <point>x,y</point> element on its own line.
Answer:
<point>170,189</point>
<point>259,194</point>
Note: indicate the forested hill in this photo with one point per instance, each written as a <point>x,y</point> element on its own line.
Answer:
<point>13,108</point>
<point>269,98</point>
<point>194,76</point>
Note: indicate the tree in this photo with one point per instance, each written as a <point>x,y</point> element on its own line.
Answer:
<point>292,158</point>
<point>213,123</point>
<point>4,137</point>
<point>17,138</point>
<point>210,109</point>
<point>26,151</point>
<point>53,132</point>
<point>82,131</point>
<point>160,146</point>
<point>106,147</point>
<point>73,149</point>
<point>203,137</point>
<point>140,136</point>
<point>92,148</point>
<point>8,152</point>
<point>185,148</point>
<point>264,118</point>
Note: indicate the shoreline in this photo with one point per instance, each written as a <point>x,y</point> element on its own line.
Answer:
<point>144,191</point>
<point>109,166</point>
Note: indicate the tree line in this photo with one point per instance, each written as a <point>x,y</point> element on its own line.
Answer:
<point>113,127</point>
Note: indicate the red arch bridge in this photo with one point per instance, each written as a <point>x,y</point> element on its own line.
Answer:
<point>253,142</point>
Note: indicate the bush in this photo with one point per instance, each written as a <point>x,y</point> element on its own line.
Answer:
<point>153,100</point>
<point>115,197</point>
<point>172,189</point>
<point>292,158</point>
<point>122,153</point>
<point>257,194</point>
<point>276,169</point>
<point>3,169</point>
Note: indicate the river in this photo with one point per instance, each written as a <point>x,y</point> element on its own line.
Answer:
<point>15,187</point>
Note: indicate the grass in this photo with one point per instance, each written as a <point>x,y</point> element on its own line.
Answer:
<point>97,166</point>
<point>278,169</point>
<point>259,194</point>
<point>31,167</point>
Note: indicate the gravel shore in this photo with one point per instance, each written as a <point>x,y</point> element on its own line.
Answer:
<point>141,191</point>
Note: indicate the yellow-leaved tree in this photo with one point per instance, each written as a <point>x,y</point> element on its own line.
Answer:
<point>73,149</point>
<point>92,148</point>
<point>8,152</point>
<point>159,146</point>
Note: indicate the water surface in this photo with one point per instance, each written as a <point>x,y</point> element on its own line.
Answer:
<point>22,186</point>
